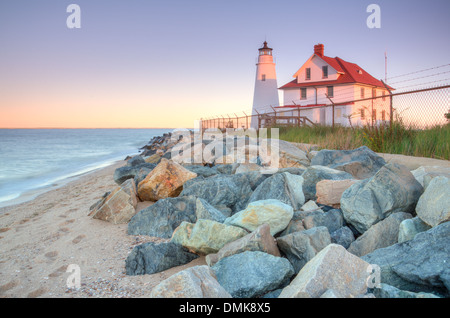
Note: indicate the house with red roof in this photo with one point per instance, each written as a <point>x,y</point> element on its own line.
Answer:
<point>324,81</point>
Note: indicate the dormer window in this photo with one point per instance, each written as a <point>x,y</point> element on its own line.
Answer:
<point>324,71</point>
<point>308,74</point>
<point>263,77</point>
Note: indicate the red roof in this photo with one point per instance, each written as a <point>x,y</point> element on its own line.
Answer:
<point>349,75</point>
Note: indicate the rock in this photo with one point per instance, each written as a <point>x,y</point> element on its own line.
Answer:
<point>382,234</point>
<point>202,170</point>
<point>392,189</point>
<point>194,282</point>
<point>301,247</point>
<point>292,170</point>
<point>129,172</point>
<point>273,212</point>
<point>418,265</point>
<point>140,176</point>
<point>163,217</point>
<point>135,161</point>
<point>332,268</point>
<point>284,187</point>
<point>259,240</point>
<point>295,225</point>
<point>165,181</point>
<point>247,167</point>
<point>154,158</point>
<point>221,191</point>
<point>273,294</point>
<point>343,236</point>
<point>224,168</point>
<point>332,220</point>
<point>206,236</point>
<point>434,205</point>
<point>410,227</point>
<point>206,211</point>
<point>118,207</point>
<point>329,192</point>
<point>361,163</point>
<point>151,257</point>
<point>314,174</point>
<point>310,206</point>
<point>329,294</point>
<point>388,291</point>
<point>425,174</point>
<point>290,155</point>
<point>252,274</point>
<point>129,187</point>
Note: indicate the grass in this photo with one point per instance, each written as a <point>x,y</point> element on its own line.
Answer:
<point>432,142</point>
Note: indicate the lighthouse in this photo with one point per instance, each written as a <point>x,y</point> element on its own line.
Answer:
<point>266,88</point>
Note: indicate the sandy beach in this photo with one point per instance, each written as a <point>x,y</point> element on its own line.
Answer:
<point>39,239</point>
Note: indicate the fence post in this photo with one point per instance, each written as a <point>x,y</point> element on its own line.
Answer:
<point>391,108</point>
<point>275,114</point>
<point>332,103</point>
<point>246,120</point>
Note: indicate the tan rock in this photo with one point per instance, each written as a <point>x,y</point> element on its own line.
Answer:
<point>329,192</point>
<point>153,158</point>
<point>129,186</point>
<point>166,180</point>
<point>116,208</point>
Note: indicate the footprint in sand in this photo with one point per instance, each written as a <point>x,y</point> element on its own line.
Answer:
<point>64,229</point>
<point>37,292</point>
<point>58,272</point>
<point>78,239</point>
<point>51,254</point>
<point>8,286</point>
<point>67,222</point>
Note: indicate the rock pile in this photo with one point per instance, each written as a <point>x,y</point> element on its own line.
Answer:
<point>343,224</point>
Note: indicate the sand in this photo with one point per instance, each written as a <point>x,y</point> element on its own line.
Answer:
<point>39,239</point>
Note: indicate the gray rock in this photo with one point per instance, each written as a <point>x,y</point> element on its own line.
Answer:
<point>284,187</point>
<point>252,274</point>
<point>343,236</point>
<point>434,205</point>
<point>273,294</point>
<point>202,170</point>
<point>362,162</point>
<point>129,172</point>
<point>292,170</point>
<point>418,265</point>
<point>301,247</point>
<point>140,175</point>
<point>382,234</point>
<point>314,174</point>
<point>163,217</point>
<point>221,191</point>
<point>194,282</point>
<point>332,220</point>
<point>392,189</point>
<point>206,211</point>
<point>332,268</point>
<point>151,257</point>
<point>388,291</point>
<point>135,161</point>
<point>410,227</point>
<point>224,169</point>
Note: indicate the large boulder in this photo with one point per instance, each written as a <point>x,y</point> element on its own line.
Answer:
<point>151,257</point>
<point>117,207</point>
<point>418,265</point>
<point>194,282</point>
<point>332,268</point>
<point>424,174</point>
<point>252,274</point>
<point>284,187</point>
<point>409,228</point>
<point>301,247</point>
<point>329,192</point>
<point>343,236</point>
<point>163,217</point>
<point>273,212</point>
<point>314,174</point>
<point>166,180</point>
<point>434,205</point>
<point>221,191</point>
<point>332,219</point>
<point>259,240</point>
<point>206,236</point>
<point>362,162</point>
<point>392,189</point>
<point>135,161</point>
<point>129,172</point>
<point>382,234</point>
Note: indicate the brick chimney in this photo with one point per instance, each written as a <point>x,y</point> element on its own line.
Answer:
<point>319,49</point>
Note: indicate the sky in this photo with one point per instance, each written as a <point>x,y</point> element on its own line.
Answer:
<point>165,64</point>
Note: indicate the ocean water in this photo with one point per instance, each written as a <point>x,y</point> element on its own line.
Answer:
<point>34,160</point>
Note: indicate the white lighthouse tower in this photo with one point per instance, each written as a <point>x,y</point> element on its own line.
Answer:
<point>266,88</point>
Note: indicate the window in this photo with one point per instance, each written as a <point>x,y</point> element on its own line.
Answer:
<point>384,96</point>
<point>324,71</point>
<point>330,91</point>
<point>374,114</point>
<point>308,73</point>
<point>374,92</point>
<point>362,92</point>
<point>363,115</point>
<point>383,115</point>
<point>302,93</point>
<point>263,77</point>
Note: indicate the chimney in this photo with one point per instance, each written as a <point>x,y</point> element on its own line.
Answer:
<point>319,49</point>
